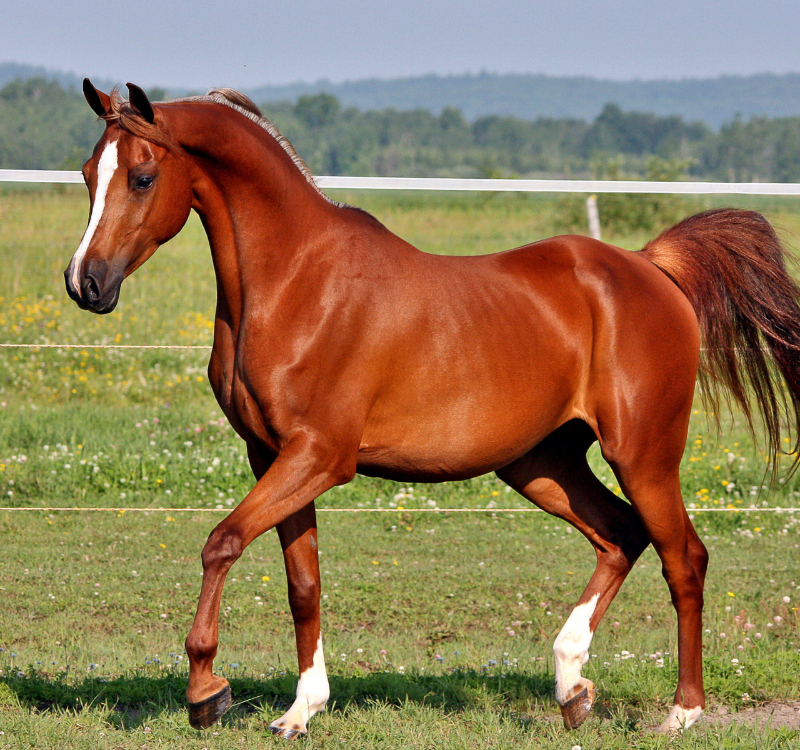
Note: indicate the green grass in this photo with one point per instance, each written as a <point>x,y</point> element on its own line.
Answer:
<point>450,595</point>
<point>418,608</point>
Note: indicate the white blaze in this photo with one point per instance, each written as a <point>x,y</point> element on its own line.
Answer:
<point>571,648</point>
<point>105,171</point>
<point>313,692</point>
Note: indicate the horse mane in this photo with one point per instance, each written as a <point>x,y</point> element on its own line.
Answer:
<point>124,115</point>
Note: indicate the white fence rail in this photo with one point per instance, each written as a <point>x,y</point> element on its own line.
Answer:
<point>524,186</point>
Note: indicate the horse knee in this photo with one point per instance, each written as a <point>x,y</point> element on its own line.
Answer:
<point>615,560</point>
<point>637,544</point>
<point>685,586</point>
<point>620,555</point>
<point>698,556</point>
<point>685,573</point>
<point>222,549</point>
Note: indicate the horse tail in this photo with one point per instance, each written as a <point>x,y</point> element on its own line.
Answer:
<point>732,267</point>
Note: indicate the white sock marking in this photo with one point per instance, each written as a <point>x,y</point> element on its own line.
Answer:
<point>312,687</point>
<point>681,718</point>
<point>571,648</point>
<point>313,692</point>
<point>105,171</point>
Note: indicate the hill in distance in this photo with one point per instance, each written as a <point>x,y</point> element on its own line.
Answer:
<point>526,96</point>
<point>10,71</point>
<point>711,100</point>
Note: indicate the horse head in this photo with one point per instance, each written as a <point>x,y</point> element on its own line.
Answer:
<point>141,196</point>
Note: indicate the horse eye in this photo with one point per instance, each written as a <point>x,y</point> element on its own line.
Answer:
<point>144,182</point>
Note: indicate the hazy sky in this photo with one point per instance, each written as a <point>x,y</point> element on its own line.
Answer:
<point>250,42</point>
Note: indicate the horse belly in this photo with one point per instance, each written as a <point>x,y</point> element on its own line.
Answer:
<point>460,434</point>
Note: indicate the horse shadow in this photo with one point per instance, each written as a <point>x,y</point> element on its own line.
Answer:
<point>135,700</point>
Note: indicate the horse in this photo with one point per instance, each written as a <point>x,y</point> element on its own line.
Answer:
<point>339,348</point>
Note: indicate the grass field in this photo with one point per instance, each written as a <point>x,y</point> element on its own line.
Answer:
<point>438,627</point>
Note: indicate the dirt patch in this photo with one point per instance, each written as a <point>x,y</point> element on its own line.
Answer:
<point>775,715</point>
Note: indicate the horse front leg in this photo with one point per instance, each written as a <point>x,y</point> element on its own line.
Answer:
<point>298,535</point>
<point>301,472</point>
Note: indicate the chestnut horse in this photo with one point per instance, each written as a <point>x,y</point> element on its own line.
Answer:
<point>339,348</point>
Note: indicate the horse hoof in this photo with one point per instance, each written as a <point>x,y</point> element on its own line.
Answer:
<point>680,719</point>
<point>576,710</point>
<point>287,733</point>
<point>208,711</point>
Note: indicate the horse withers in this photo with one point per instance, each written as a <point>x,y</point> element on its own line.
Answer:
<point>341,349</point>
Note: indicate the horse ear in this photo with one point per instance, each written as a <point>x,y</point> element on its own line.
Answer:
<point>98,101</point>
<point>139,101</point>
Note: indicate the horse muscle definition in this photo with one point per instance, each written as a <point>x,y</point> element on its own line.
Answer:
<point>340,348</point>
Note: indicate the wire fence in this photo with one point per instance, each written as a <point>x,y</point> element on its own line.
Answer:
<point>104,346</point>
<point>490,511</point>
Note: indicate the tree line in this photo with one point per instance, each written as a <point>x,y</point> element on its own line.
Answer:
<point>45,126</point>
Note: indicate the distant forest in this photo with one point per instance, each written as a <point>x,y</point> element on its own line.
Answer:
<point>45,126</point>
<point>526,96</point>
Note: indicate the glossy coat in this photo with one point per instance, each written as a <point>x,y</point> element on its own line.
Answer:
<point>340,348</point>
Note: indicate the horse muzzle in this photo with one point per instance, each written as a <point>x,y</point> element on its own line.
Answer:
<point>99,286</point>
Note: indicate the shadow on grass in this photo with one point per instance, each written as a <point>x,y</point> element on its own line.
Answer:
<point>134,700</point>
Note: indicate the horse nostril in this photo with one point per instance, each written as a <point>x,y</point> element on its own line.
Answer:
<point>91,290</point>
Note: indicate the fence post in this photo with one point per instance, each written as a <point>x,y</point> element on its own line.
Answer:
<point>594,216</point>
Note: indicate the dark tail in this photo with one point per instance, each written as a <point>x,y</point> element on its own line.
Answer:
<point>732,267</point>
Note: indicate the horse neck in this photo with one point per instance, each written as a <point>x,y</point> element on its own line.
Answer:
<point>259,210</point>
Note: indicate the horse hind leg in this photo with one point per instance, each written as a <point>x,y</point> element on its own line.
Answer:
<point>556,476</point>
<point>684,559</point>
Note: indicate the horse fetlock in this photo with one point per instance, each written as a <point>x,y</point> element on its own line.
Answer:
<point>200,647</point>
<point>571,649</point>
<point>313,692</point>
<point>202,685</point>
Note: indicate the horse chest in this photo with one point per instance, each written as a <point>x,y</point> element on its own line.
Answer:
<point>238,404</point>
